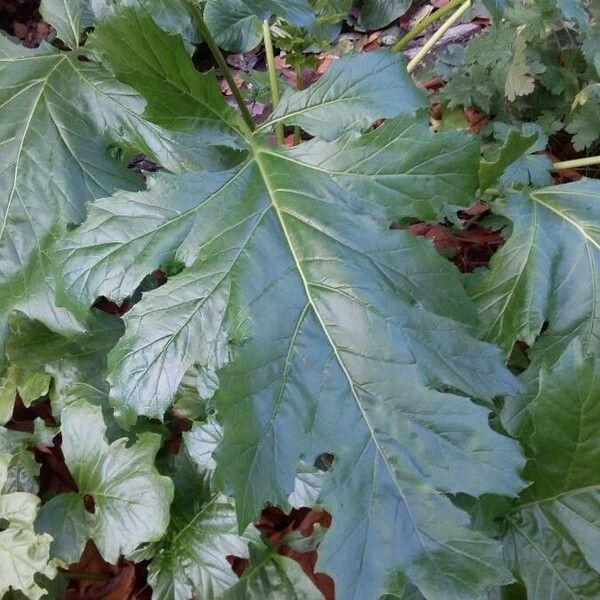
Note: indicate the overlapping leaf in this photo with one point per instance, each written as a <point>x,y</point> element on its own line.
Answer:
<point>77,364</point>
<point>271,576</point>
<point>69,18</point>
<point>59,116</point>
<point>22,469</point>
<point>27,384</point>
<point>547,272</point>
<point>191,560</point>
<point>237,24</point>
<point>555,532</point>
<point>338,103</point>
<point>130,499</point>
<point>379,13</point>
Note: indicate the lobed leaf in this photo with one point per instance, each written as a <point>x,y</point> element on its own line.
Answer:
<point>320,320</point>
<point>60,116</point>
<point>554,532</point>
<point>545,273</point>
<point>339,102</point>
<point>130,499</point>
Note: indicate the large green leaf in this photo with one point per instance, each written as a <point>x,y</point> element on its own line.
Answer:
<point>23,553</point>
<point>315,295</point>
<point>128,236</point>
<point>337,327</point>
<point>177,96</point>
<point>271,576</point>
<point>337,102</point>
<point>131,500</point>
<point>547,272</point>
<point>59,116</point>
<point>554,533</point>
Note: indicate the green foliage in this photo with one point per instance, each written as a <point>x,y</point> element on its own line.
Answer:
<point>534,61</point>
<point>324,358</point>
<point>23,553</point>
<point>552,538</point>
<point>131,500</point>
<point>542,274</point>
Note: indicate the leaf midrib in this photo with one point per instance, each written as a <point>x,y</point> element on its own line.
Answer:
<point>271,192</point>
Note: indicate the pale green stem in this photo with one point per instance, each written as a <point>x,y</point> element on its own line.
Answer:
<point>425,23</point>
<point>272,77</point>
<point>220,60</point>
<point>437,36</point>
<point>577,163</point>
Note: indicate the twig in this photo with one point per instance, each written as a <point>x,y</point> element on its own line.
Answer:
<point>438,35</point>
<point>272,77</point>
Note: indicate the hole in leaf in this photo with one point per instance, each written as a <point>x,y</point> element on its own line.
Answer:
<point>3,524</point>
<point>89,504</point>
<point>324,461</point>
<point>519,359</point>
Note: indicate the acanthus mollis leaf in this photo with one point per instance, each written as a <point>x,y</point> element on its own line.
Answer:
<point>130,498</point>
<point>23,553</point>
<point>63,121</point>
<point>338,103</point>
<point>129,235</point>
<point>554,531</point>
<point>237,24</point>
<point>178,96</point>
<point>380,13</point>
<point>546,273</point>
<point>331,334</point>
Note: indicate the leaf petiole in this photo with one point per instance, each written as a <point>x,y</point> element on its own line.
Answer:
<point>220,60</point>
<point>437,36</point>
<point>272,77</point>
<point>425,23</point>
<point>577,163</point>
